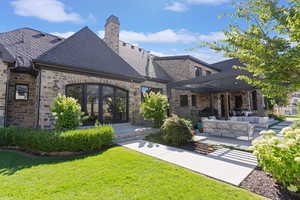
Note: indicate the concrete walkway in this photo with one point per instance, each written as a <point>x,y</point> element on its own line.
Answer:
<point>226,165</point>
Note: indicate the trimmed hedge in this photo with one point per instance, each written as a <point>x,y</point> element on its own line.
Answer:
<point>82,140</point>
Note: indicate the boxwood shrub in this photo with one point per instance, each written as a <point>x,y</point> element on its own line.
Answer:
<point>57,141</point>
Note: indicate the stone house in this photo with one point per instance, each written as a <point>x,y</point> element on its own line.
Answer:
<point>107,77</point>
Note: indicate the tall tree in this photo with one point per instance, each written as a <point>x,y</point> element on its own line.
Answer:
<point>265,37</point>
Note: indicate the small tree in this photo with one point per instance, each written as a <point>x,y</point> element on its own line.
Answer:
<point>67,112</point>
<point>155,108</point>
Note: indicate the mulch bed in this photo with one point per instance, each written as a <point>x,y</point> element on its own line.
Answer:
<point>201,148</point>
<point>263,184</point>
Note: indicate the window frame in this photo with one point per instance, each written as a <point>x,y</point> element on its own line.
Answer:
<point>100,100</point>
<point>15,93</point>
<point>184,102</point>
<point>198,71</point>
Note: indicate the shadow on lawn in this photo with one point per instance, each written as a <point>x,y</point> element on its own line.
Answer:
<point>13,161</point>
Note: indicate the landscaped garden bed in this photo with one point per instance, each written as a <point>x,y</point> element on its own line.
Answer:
<point>263,184</point>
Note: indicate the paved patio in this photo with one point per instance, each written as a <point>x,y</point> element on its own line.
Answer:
<point>226,165</point>
<point>239,143</point>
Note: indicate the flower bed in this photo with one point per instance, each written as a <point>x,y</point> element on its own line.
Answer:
<point>83,140</point>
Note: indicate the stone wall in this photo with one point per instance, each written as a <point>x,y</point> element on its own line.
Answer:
<point>182,69</point>
<point>54,82</point>
<point>3,81</point>
<point>22,113</point>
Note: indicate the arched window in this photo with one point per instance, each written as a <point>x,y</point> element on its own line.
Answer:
<point>105,103</point>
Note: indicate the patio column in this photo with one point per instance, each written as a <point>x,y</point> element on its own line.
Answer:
<point>226,103</point>
<point>211,102</point>
<point>260,103</point>
<point>249,100</point>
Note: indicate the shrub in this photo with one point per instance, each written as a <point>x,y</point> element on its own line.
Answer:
<point>280,156</point>
<point>67,112</point>
<point>176,131</point>
<point>57,141</point>
<point>296,124</point>
<point>155,108</point>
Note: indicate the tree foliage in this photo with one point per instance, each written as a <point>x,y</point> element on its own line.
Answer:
<point>155,108</point>
<point>265,36</point>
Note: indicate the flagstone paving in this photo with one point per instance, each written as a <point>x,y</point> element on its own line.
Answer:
<point>226,165</point>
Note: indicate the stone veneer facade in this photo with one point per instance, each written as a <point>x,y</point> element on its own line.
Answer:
<point>3,86</point>
<point>55,82</point>
<point>22,113</point>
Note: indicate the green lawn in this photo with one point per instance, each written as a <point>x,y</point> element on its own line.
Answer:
<point>117,173</point>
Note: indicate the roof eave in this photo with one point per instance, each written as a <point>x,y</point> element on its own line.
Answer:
<point>56,66</point>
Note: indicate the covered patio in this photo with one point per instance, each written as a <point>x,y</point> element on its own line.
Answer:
<point>222,95</point>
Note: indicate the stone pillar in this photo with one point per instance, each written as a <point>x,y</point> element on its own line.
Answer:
<point>226,104</point>
<point>260,104</point>
<point>3,88</point>
<point>112,31</point>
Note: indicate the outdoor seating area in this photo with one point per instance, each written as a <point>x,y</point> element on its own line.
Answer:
<point>237,129</point>
<point>259,122</point>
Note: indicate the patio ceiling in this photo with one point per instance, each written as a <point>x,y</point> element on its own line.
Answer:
<point>218,82</point>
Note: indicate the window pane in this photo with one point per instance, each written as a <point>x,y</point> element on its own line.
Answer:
<point>121,105</point>
<point>108,104</point>
<point>194,100</point>
<point>21,92</point>
<point>92,92</point>
<point>75,91</point>
<point>184,100</point>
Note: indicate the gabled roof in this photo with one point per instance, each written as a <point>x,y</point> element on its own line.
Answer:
<point>23,45</point>
<point>227,65</point>
<point>182,57</point>
<point>85,51</point>
<point>142,61</point>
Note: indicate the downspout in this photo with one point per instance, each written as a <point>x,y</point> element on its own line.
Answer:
<point>6,96</point>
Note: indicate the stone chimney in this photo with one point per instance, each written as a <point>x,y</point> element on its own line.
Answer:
<point>112,30</point>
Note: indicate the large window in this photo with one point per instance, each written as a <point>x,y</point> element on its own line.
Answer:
<point>184,100</point>
<point>104,103</point>
<point>148,90</point>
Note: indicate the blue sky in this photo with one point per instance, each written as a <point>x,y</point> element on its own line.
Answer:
<point>166,27</point>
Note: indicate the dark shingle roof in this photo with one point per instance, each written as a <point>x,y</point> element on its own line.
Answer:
<point>26,44</point>
<point>187,57</point>
<point>5,55</point>
<point>227,65</point>
<point>86,51</point>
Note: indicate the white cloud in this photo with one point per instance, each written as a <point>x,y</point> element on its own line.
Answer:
<point>167,36</point>
<point>176,7</point>
<point>214,2</point>
<point>50,10</point>
<point>63,35</point>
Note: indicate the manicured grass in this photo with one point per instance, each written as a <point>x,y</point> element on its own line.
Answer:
<point>293,116</point>
<point>117,173</point>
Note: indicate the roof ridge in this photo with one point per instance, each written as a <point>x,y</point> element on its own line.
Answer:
<point>225,61</point>
<point>28,28</point>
